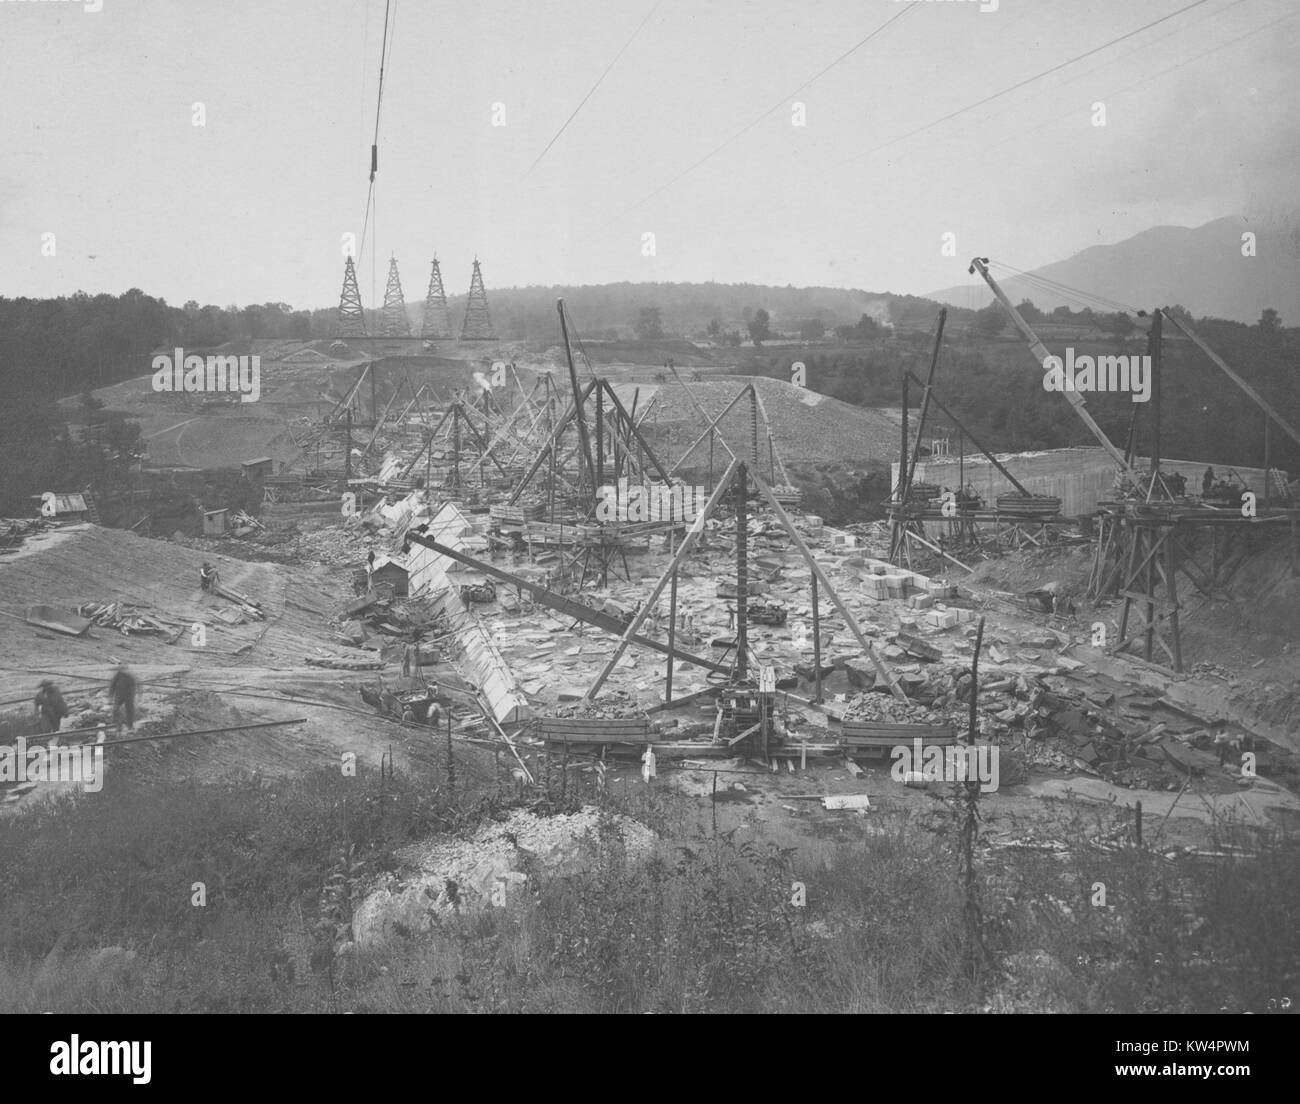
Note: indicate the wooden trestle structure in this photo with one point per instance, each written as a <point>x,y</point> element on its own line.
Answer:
<point>1143,548</point>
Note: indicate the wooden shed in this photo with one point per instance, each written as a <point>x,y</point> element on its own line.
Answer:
<point>257,469</point>
<point>392,572</point>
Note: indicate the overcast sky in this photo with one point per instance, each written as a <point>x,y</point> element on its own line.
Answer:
<point>99,146</point>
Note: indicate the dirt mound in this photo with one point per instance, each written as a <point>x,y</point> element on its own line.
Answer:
<point>1068,569</point>
<point>805,424</point>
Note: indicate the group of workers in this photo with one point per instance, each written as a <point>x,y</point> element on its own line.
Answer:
<point>51,708</point>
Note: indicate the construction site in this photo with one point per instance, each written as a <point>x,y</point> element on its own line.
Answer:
<point>613,581</point>
<point>439,671</point>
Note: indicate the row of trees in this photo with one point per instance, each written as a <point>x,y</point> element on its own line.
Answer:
<point>996,390</point>
<point>649,327</point>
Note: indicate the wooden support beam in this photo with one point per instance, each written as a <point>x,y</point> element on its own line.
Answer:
<point>925,401</point>
<point>974,441</point>
<point>631,426</point>
<point>1041,352</point>
<point>908,533</point>
<point>1219,362</point>
<point>713,424</point>
<point>552,445</point>
<point>672,638</point>
<point>579,401</point>
<point>699,409</point>
<point>682,550</point>
<point>817,642</point>
<point>777,462</point>
<point>561,604</point>
<point>817,571</point>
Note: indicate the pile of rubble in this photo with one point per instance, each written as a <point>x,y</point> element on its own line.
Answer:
<point>13,531</point>
<point>612,703</point>
<point>378,617</point>
<point>873,706</point>
<point>465,875</point>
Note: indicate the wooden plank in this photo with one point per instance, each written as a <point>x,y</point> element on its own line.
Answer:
<point>594,724</point>
<point>846,801</point>
<point>741,735</point>
<point>683,551</point>
<point>599,734</point>
<point>876,728</point>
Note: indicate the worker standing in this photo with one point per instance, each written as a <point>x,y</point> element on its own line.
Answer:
<point>50,706</point>
<point>121,689</point>
<point>1222,744</point>
<point>648,763</point>
<point>207,577</point>
<point>1207,482</point>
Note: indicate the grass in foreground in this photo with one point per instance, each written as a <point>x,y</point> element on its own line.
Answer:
<point>97,913</point>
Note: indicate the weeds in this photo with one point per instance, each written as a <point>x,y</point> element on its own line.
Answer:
<point>96,911</point>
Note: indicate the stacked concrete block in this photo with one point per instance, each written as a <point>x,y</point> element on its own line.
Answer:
<point>897,585</point>
<point>873,586</point>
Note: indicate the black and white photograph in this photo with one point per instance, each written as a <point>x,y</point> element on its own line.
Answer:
<point>651,507</point>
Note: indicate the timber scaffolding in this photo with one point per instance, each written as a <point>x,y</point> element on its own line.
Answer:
<point>747,714</point>
<point>1017,520</point>
<point>596,487</point>
<point>1145,535</point>
<point>1142,548</point>
<point>1144,545</point>
<point>565,471</point>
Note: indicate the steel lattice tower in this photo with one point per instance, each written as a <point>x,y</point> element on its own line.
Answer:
<point>437,319</point>
<point>352,320</point>
<point>478,323</point>
<point>395,322</point>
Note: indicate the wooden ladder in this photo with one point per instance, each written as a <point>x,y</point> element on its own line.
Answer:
<point>92,511</point>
